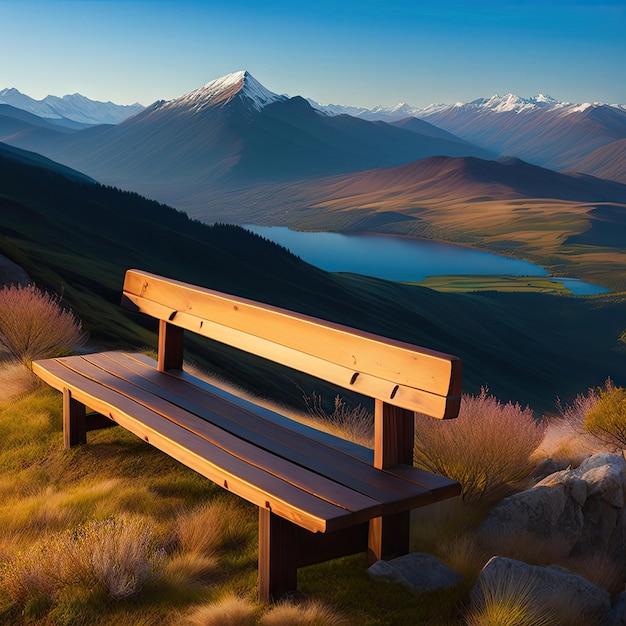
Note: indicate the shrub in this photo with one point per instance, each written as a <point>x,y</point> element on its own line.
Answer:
<point>120,555</point>
<point>607,420</point>
<point>33,324</point>
<point>112,555</point>
<point>566,440</point>
<point>488,445</point>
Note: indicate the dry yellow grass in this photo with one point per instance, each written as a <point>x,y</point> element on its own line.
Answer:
<point>229,611</point>
<point>312,613</point>
<point>15,379</point>
<point>509,601</point>
<point>211,526</point>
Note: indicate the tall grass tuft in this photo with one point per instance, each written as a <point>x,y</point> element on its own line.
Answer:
<point>34,324</point>
<point>566,440</point>
<point>312,613</point>
<point>212,526</point>
<point>15,380</point>
<point>113,555</point>
<point>229,611</point>
<point>509,601</point>
<point>121,556</point>
<point>487,446</point>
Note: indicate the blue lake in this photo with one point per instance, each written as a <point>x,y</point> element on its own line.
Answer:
<point>403,258</point>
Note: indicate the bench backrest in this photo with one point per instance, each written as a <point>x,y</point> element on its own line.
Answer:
<point>394,372</point>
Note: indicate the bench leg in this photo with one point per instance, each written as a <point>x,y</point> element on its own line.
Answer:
<point>394,430</point>
<point>74,421</point>
<point>388,537</point>
<point>277,556</point>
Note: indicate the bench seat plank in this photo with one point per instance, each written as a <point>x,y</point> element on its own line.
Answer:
<point>362,505</point>
<point>394,494</point>
<point>252,483</point>
<point>142,364</point>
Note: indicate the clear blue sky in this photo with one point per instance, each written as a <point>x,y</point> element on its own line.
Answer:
<point>364,52</point>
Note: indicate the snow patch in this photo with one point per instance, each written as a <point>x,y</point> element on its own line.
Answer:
<point>224,89</point>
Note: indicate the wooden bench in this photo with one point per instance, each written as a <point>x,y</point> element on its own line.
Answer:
<point>319,496</point>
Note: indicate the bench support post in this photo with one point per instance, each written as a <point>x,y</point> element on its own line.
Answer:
<point>394,432</point>
<point>170,349</point>
<point>277,556</point>
<point>74,421</point>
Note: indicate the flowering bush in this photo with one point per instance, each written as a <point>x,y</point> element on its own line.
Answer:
<point>487,445</point>
<point>34,325</point>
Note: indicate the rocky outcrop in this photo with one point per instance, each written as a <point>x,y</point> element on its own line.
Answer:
<point>570,516</point>
<point>574,512</point>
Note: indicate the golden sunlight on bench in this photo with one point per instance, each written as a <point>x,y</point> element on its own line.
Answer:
<point>319,496</point>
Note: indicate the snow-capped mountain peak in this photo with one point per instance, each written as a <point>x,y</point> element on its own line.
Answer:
<point>222,90</point>
<point>70,107</point>
<point>512,103</point>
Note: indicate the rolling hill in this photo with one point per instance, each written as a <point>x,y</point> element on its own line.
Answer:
<point>504,206</point>
<point>77,238</point>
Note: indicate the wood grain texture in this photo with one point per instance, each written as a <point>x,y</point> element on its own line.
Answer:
<point>170,348</point>
<point>418,378</point>
<point>281,440</point>
<point>394,432</point>
<point>273,462</point>
<point>251,483</point>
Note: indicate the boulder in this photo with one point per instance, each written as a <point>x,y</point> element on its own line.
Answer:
<point>547,515</point>
<point>574,511</point>
<point>418,571</point>
<point>542,590</point>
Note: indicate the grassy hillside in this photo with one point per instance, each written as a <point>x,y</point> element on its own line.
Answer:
<point>78,238</point>
<point>572,225</point>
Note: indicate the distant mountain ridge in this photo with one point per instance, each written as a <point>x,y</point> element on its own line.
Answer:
<point>509,102</point>
<point>74,107</point>
<point>233,132</point>
<point>401,199</point>
<point>542,130</point>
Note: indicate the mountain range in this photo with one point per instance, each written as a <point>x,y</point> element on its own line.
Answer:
<point>229,133</point>
<point>73,110</point>
<point>234,141</point>
<point>558,135</point>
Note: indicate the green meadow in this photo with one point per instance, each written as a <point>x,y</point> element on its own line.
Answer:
<point>464,284</point>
